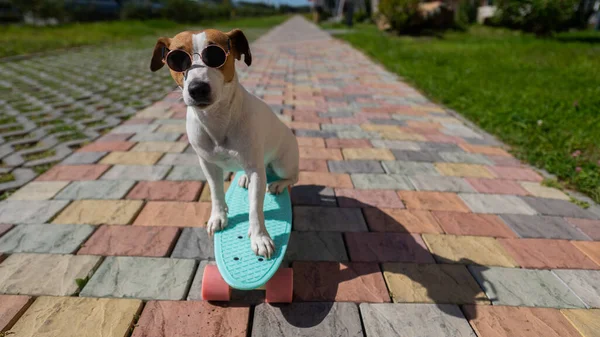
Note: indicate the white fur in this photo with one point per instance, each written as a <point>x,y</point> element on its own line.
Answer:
<point>238,131</point>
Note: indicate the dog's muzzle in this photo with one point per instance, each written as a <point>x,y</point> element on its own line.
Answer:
<point>199,91</point>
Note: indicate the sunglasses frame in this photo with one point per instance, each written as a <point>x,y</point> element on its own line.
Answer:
<point>165,56</point>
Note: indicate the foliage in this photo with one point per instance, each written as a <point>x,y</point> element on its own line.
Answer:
<point>542,17</point>
<point>540,96</point>
<point>402,15</point>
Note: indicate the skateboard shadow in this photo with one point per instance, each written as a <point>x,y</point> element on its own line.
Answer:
<point>322,284</point>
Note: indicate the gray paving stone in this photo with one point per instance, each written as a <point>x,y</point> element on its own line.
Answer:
<point>584,283</point>
<point>464,157</point>
<point>355,166</point>
<point>341,127</point>
<point>337,114</point>
<point>524,287</point>
<point>358,134</point>
<point>30,211</point>
<point>440,183</point>
<point>134,128</point>
<point>396,144</point>
<point>440,147</point>
<point>381,181</point>
<point>155,137</point>
<point>45,238</point>
<point>81,158</point>
<point>558,208</point>
<point>95,189</point>
<point>315,133</point>
<point>409,168</point>
<point>136,172</point>
<point>323,219</point>
<point>548,227</point>
<point>194,243</point>
<point>187,173</point>
<point>424,156</point>
<point>459,130</point>
<point>307,320</point>
<point>414,319</point>
<point>142,278</point>
<point>195,293</point>
<point>496,204</point>
<point>316,246</point>
<point>387,121</point>
<point>313,195</point>
<point>182,159</point>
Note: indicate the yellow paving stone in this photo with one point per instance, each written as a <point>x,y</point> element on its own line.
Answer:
<point>45,274</point>
<point>401,135</point>
<point>39,190</point>
<point>154,112</point>
<point>159,147</point>
<point>368,153</point>
<point>432,283</point>
<point>380,127</point>
<point>479,250</point>
<point>205,195</point>
<point>536,189</point>
<point>172,128</point>
<point>586,321</point>
<point>464,170</point>
<point>77,317</point>
<point>428,108</point>
<point>131,158</point>
<point>97,212</point>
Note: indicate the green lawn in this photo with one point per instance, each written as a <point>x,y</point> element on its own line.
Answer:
<point>540,96</point>
<point>17,40</point>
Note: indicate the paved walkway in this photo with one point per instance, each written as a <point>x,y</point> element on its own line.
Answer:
<point>406,222</point>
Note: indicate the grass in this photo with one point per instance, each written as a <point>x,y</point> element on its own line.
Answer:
<point>6,177</point>
<point>541,96</point>
<point>19,39</point>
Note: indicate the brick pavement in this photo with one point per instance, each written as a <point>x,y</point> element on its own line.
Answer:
<point>406,222</point>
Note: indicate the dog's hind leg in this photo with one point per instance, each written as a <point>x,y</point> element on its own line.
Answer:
<point>287,169</point>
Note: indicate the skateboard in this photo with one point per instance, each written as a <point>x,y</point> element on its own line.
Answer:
<point>238,266</point>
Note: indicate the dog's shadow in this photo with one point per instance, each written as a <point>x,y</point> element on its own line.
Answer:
<point>325,289</point>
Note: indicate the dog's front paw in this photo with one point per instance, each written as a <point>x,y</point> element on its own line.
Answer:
<point>217,221</point>
<point>244,181</point>
<point>262,244</point>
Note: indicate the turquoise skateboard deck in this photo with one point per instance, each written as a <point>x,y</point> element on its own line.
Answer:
<point>239,266</point>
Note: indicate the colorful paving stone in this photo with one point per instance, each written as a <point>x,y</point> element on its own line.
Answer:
<point>70,316</point>
<point>11,309</point>
<point>397,200</point>
<point>587,322</point>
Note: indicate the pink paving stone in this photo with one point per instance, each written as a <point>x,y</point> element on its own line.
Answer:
<point>107,146</point>
<point>138,121</point>
<point>11,309</point>
<point>367,198</point>
<point>192,319</point>
<point>589,227</point>
<point>174,214</point>
<point>547,254</point>
<point>303,125</point>
<point>179,115</point>
<point>497,186</point>
<point>166,190</point>
<point>508,321</point>
<point>350,120</point>
<point>338,143</point>
<point>114,137</point>
<point>444,139</point>
<point>516,173</point>
<point>4,228</point>
<point>401,220</point>
<point>320,153</point>
<point>130,241</point>
<point>73,172</point>
<point>488,150</point>
<point>183,139</point>
<point>505,161</point>
<point>339,282</point>
<point>433,201</point>
<point>313,165</point>
<point>310,141</point>
<point>458,223</point>
<point>387,247</point>
<point>336,180</point>
<point>312,119</point>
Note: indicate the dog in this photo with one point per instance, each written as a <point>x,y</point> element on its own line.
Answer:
<point>229,128</point>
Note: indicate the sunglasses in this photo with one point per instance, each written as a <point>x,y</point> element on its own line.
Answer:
<point>179,60</point>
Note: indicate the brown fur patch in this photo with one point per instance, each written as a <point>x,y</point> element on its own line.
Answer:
<point>184,40</point>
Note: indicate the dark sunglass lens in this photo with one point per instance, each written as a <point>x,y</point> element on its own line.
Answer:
<point>179,60</point>
<point>213,56</point>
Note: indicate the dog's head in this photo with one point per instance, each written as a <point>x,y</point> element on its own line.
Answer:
<point>203,85</point>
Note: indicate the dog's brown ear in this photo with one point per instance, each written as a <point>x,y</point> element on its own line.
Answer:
<point>240,46</point>
<point>159,53</point>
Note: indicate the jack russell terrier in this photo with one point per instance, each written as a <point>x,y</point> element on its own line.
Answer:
<point>229,128</point>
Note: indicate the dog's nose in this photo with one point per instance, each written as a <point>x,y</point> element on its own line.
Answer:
<point>199,90</point>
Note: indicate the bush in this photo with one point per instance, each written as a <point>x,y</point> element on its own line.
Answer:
<point>361,16</point>
<point>186,11</point>
<point>402,15</point>
<point>541,17</point>
<point>131,11</point>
